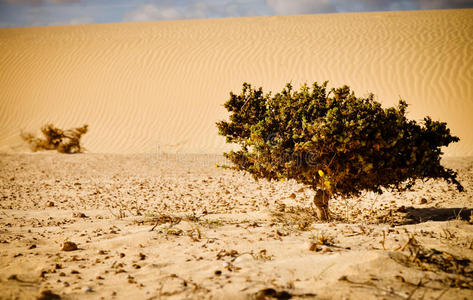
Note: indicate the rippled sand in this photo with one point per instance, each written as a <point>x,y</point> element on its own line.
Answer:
<point>143,86</point>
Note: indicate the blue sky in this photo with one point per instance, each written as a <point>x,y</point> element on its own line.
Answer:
<point>21,13</point>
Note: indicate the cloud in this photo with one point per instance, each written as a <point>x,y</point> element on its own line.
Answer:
<point>27,12</point>
<point>150,12</point>
<point>198,10</point>
<point>172,10</point>
<point>73,21</point>
<point>284,7</point>
<point>6,25</point>
<point>62,1</point>
<point>438,4</point>
<point>38,2</point>
<point>374,5</point>
<point>201,9</point>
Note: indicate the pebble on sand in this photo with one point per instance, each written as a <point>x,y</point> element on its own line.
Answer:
<point>48,295</point>
<point>69,246</point>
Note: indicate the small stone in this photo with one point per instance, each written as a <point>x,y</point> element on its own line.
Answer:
<point>69,246</point>
<point>142,256</point>
<point>78,215</point>
<point>218,272</point>
<point>88,289</point>
<point>402,209</point>
<point>327,249</point>
<point>315,247</point>
<point>292,196</point>
<point>122,255</point>
<point>62,274</point>
<point>13,277</point>
<point>423,201</point>
<point>48,295</point>
<point>270,293</point>
<point>74,272</point>
<point>32,247</point>
<point>50,204</point>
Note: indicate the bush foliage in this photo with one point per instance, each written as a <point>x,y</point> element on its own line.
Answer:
<point>64,141</point>
<point>334,142</point>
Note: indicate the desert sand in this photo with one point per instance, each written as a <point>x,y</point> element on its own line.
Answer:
<point>143,86</point>
<point>145,213</point>
<point>175,227</point>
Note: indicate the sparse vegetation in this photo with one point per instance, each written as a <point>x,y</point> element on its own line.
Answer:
<point>321,239</point>
<point>332,141</point>
<point>435,260</point>
<point>64,141</point>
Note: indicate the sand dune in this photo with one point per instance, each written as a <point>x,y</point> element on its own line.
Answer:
<point>144,85</point>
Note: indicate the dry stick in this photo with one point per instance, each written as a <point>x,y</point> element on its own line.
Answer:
<point>157,222</point>
<point>185,284</point>
<point>384,240</point>
<point>415,289</point>
<point>346,209</point>
<point>369,284</point>
<point>190,234</point>
<point>120,215</point>
<point>442,293</point>
<point>373,203</point>
<point>171,221</point>
<point>331,161</point>
<point>323,271</point>
<point>411,238</point>
<point>458,216</point>
<point>15,277</point>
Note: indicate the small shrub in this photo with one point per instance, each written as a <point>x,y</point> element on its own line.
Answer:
<point>334,142</point>
<point>64,141</point>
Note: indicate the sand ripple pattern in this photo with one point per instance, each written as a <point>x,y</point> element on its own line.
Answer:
<point>161,85</point>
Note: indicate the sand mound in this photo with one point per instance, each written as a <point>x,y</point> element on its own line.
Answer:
<point>141,86</point>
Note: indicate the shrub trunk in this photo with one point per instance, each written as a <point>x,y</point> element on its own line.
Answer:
<point>321,202</point>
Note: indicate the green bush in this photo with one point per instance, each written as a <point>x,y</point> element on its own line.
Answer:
<point>332,141</point>
<point>64,141</point>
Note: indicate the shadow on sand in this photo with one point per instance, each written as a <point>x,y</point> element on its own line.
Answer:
<point>419,215</point>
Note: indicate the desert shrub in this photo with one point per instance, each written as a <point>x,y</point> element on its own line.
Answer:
<point>334,142</point>
<point>64,141</point>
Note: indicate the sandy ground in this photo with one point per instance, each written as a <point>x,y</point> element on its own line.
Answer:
<point>144,85</point>
<point>175,227</point>
<point>155,226</point>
